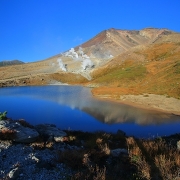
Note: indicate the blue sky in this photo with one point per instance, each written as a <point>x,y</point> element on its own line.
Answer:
<point>32,30</point>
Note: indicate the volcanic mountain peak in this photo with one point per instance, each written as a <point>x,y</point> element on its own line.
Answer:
<point>112,42</point>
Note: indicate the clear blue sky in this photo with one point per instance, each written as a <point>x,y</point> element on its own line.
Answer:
<point>32,30</point>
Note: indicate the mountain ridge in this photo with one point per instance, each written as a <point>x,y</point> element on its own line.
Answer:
<point>113,41</point>
<point>10,62</point>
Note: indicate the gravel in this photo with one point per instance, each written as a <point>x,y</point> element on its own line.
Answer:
<point>24,162</point>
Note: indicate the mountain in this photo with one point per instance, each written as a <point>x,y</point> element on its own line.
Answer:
<point>110,43</point>
<point>12,62</point>
<point>115,61</point>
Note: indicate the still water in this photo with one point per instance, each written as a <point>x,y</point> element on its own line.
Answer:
<point>74,108</point>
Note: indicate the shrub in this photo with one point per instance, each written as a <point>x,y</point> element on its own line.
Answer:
<point>3,115</point>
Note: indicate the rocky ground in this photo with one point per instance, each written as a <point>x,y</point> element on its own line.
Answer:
<point>24,162</point>
<point>45,152</point>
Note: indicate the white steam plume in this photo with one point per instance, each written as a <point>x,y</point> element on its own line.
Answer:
<point>61,65</point>
<point>87,63</point>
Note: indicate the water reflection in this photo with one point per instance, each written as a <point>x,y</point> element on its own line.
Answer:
<point>77,97</point>
<point>80,98</point>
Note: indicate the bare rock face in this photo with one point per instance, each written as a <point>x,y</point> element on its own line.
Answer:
<point>49,130</point>
<point>21,134</point>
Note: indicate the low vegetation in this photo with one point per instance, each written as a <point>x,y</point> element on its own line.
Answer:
<point>70,78</point>
<point>3,115</point>
<point>157,71</point>
<point>6,134</point>
<point>155,159</point>
<point>122,74</point>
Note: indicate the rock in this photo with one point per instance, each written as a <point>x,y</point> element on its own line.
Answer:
<point>35,159</point>
<point>121,133</point>
<point>25,135</point>
<point>22,134</point>
<point>59,139</point>
<point>117,152</point>
<point>49,130</point>
<point>178,145</point>
<point>13,174</point>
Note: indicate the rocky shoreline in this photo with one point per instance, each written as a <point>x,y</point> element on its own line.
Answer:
<point>45,152</point>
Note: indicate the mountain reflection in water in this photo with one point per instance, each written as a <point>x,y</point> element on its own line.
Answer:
<point>80,98</point>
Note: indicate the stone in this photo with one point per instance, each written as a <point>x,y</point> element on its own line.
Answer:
<point>121,133</point>
<point>35,159</point>
<point>117,152</point>
<point>25,135</point>
<point>22,134</point>
<point>49,130</point>
<point>59,139</point>
<point>14,173</point>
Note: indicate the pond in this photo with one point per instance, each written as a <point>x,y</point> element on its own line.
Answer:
<point>74,108</point>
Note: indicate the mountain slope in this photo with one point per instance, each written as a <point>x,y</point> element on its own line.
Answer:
<point>154,69</point>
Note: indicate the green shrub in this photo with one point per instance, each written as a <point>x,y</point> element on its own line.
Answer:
<point>3,115</point>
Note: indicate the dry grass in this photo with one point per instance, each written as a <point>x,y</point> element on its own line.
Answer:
<point>94,161</point>
<point>155,159</point>
<point>70,78</point>
<point>7,134</point>
<point>166,158</point>
<point>138,159</point>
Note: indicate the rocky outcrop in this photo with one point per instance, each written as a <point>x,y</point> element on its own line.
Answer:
<point>20,133</point>
<point>50,131</point>
<point>117,152</point>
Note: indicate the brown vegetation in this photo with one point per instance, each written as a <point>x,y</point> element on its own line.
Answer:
<point>155,159</point>
<point>7,134</point>
<point>157,73</point>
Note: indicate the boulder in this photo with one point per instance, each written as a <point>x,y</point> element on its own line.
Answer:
<point>22,134</point>
<point>25,135</point>
<point>121,133</point>
<point>117,152</point>
<point>49,130</point>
